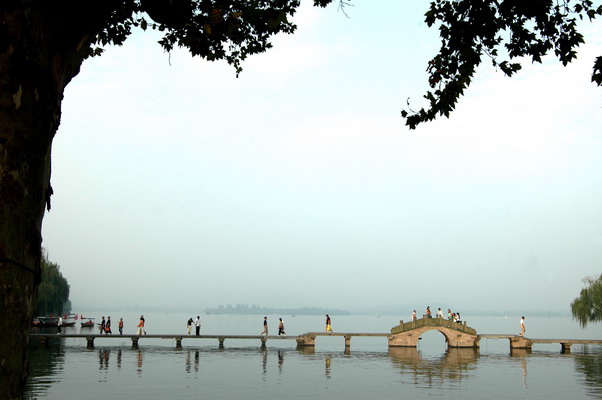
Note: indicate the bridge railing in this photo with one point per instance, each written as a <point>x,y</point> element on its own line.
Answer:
<point>422,322</point>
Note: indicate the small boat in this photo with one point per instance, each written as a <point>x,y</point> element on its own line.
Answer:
<point>45,322</point>
<point>88,324</point>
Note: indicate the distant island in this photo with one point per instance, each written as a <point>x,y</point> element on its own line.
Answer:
<point>257,310</point>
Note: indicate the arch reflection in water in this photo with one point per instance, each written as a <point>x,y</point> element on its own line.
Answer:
<point>455,365</point>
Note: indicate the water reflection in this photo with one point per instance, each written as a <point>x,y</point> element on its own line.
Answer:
<point>45,367</point>
<point>456,364</point>
<point>188,362</point>
<point>139,360</point>
<point>327,359</point>
<point>588,363</point>
<point>264,362</point>
<point>103,357</point>
<point>522,355</point>
<point>280,361</point>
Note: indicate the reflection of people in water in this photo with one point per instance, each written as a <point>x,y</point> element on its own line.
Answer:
<point>523,364</point>
<point>280,360</point>
<point>103,357</point>
<point>264,361</point>
<point>327,365</point>
<point>139,362</point>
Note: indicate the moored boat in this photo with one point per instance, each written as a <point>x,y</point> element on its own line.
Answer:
<point>88,324</point>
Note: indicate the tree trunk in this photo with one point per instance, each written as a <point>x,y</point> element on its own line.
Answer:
<point>42,45</point>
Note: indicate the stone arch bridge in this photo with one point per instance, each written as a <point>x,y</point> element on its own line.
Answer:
<point>456,334</point>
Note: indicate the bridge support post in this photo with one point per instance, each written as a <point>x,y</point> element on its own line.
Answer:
<point>565,348</point>
<point>134,342</point>
<point>90,342</point>
<point>347,342</point>
<point>520,342</point>
<point>221,342</point>
<point>306,341</point>
<point>178,342</point>
<point>263,340</point>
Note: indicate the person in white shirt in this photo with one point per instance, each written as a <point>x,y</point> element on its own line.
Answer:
<point>197,324</point>
<point>522,327</point>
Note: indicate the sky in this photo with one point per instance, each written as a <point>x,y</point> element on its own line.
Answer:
<point>179,186</point>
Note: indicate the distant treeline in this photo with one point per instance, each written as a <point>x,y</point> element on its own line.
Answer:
<point>257,310</point>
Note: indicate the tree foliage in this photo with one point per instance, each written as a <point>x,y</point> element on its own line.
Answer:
<point>53,291</point>
<point>502,31</point>
<point>588,306</point>
<point>212,29</point>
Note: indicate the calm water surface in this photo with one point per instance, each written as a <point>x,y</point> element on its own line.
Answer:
<point>242,369</point>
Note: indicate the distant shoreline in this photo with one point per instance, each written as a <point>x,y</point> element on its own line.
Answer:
<point>256,310</point>
<point>233,310</point>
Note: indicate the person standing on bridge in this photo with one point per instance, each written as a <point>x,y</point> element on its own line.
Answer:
<point>120,326</point>
<point>189,325</point>
<point>103,324</point>
<point>439,313</point>
<point>59,325</point>
<point>281,328</point>
<point>328,327</point>
<point>197,325</point>
<point>108,326</point>
<point>522,327</point>
<point>265,326</point>
<point>141,330</point>
<point>414,318</point>
<point>428,312</point>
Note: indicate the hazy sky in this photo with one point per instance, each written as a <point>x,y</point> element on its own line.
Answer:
<point>297,184</point>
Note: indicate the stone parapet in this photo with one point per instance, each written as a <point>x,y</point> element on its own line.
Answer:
<point>435,322</point>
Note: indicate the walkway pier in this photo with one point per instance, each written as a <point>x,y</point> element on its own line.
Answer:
<point>457,335</point>
<point>523,343</point>
<point>309,339</point>
<point>178,338</point>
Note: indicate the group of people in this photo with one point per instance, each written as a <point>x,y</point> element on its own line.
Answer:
<point>105,326</point>
<point>196,323</point>
<point>451,316</point>
<point>280,327</point>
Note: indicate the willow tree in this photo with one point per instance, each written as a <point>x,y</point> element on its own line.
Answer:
<point>53,291</point>
<point>588,306</point>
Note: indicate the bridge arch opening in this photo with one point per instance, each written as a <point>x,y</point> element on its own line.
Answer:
<point>432,342</point>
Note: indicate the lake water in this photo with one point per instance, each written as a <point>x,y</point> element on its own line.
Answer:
<point>243,370</point>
